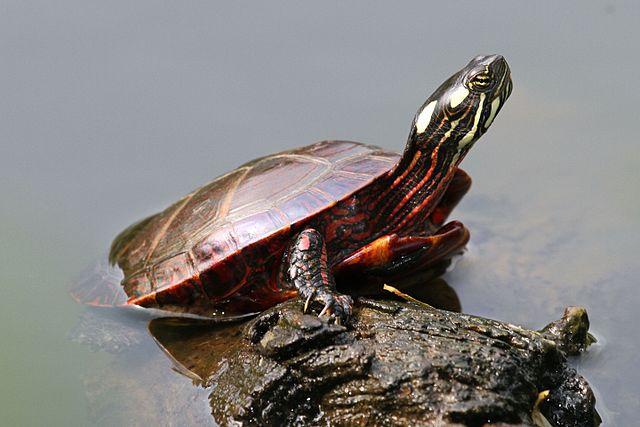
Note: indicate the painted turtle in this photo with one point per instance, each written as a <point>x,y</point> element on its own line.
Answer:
<point>288,223</point>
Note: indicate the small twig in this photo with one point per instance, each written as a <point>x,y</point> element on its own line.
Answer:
<point>404,296</point>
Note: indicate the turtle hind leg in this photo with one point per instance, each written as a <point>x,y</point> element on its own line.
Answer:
<point>307,269</point>
<point>398,258</point>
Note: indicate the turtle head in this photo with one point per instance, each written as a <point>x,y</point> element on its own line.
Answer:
<point>461,110</point>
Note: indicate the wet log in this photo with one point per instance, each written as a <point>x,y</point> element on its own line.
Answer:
<point>401,363</point>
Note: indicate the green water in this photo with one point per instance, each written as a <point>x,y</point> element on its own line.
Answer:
<point>111,110</point>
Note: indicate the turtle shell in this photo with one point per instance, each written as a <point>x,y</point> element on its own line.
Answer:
<point>201,247</point>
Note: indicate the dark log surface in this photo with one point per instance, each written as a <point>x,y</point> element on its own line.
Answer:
<point>400,363</point>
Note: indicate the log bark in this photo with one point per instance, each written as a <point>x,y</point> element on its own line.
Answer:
<point>400,363</point>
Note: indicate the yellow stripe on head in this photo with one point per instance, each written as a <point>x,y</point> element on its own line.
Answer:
<point>495,104</point>
<point>458,96</point>
<point>424,118</point>
<point>476,119</point>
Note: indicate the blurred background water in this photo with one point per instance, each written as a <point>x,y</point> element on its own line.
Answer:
<point>111,110</point>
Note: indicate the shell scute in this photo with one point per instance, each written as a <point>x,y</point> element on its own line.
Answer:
<point>172,271</point>
<point>340,184</point>
<point>254,227</point>
<point>370,165</point>
<point>138,284</point>
<point>302,204</point>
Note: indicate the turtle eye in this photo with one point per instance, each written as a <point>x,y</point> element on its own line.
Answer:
<point>481,81</point>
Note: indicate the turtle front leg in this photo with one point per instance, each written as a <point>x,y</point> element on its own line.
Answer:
<point>309,272</point>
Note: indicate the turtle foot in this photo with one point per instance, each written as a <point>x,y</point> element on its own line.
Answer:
<point>335,306</point>
<point>308,271</point>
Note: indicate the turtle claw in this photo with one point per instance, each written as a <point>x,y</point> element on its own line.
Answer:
<point>324,310</point>
<point>337,307</point>
<point>334,305</point>
<point>306,303</point>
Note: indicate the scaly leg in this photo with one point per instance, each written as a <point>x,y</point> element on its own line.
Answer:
<point>309,272</point>
<point>392,257</point>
